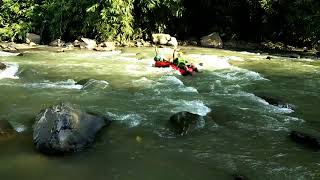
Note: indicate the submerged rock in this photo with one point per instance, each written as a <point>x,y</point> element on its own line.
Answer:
<point>278,103</point>
<point>64,128</point>
<point>92,84</point>
<point>6,128</point>
<point>2,66</point>
<point>239,177</point>
<point>297,56</point>
<point>183,122</point>
<point>305,139</point>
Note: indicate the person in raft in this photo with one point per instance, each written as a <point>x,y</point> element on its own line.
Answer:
<point>180,62</point>
<point>159,56</point>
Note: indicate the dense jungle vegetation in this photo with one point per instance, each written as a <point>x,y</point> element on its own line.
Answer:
<point>295,22</point>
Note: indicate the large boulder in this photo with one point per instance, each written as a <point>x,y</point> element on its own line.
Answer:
<point>173,42</point>
<point>89,43</point>
<point>8,47</point>
<point>212,40</point>
<point>33,38</point>
<point>162,39</point>
<point>184,122</point>
<point>57,42</point>
<point>108,44</point>
<point>2,66</point>
<point>105,46</point>
<point>65,128</point>
<point>6,128</point>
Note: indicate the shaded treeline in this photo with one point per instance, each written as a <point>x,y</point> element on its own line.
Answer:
<point>295,22</point>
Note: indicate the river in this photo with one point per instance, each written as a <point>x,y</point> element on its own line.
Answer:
<point>245,135</point>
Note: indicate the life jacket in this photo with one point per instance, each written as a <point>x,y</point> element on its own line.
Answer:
<point>180,62</point>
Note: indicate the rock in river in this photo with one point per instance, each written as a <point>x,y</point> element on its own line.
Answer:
<point>65,128</point>
<point>2,66</point>
<point>184,122</point>
<point>278,103</point>
<point>305,139</point>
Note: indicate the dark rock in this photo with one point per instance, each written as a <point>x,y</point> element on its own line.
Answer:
<point>183,122</point>
<point>2,66</point>
<point>82,82</point>
<point>268,57</point>
<point>278,103</point>
<point>239,177</point>
<point>6,128</point>
<point>305,139</point>
<point>64,128</point>
<point>297,56</point>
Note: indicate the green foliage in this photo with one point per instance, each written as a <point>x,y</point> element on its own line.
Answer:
<point>15,19</point>
<point>157,15</point>
<point>293,21</point>
<point>116,20</point>
<point>304,21</point>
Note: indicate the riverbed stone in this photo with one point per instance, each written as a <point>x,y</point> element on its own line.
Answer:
<point>31,37</point>
<point>89,43</point>
<point>185,122</point>
<point>65,128</point>
<point>161,38</point>
<point>173,42</point>
<point>57,42</point>
<point>212,40</point>
<point>2,66</point>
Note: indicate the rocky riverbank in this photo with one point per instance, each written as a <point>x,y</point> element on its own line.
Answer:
<point>212,40</point>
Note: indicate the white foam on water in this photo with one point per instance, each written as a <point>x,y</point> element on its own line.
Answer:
<point>128,54</point>
<point>195,107</point>
<point>2,53</point>
<point>271,108</point>
<point>238,74</point>
<point>144,82</point>
<point>290,119</point>
<point>211,61</point>
<point>99,55</point>
<point>68,84</point>
<point>10,71</point>
<point>171,80</point>
<point>130,59</point>
<point>91,82</point>
<point>235,58</point>
<point>177,83</point>
<point>20,128</point>
<point>249,53</point>
<point>131,119</point>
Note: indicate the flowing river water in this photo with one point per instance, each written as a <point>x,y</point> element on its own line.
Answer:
<point>245,135</point>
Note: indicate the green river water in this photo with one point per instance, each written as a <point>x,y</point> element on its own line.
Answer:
<point>245,136</point>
